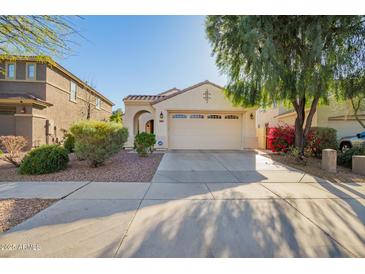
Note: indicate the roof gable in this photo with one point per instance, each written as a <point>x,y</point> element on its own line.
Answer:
<point>186,90</point>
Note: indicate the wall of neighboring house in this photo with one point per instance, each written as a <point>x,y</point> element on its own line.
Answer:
<point>337,115</point>
<point>19,123</point>
<point>47,125</point>
<point>21,84</point>
<point>290,118</point>
<point>64,111</point>
<point>7,122</point>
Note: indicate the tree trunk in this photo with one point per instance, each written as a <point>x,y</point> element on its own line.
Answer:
<point>88,112</point>
<point>356,108</point>
<point>300,131</point>
<point>299,107</point>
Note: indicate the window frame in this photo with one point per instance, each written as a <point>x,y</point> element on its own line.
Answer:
<point>71,97</point>
<point>179,116</point>
<point>216,116</point>
<point>7,70</point>
<point>97,103</point>
<point>35,71</point>
<point>231,117</point>
<point>196,116</point>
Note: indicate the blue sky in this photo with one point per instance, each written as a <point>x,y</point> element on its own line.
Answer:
<point>124,55</point>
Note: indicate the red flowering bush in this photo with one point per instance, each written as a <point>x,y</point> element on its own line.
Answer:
<point>281,137</point>
<point>320,138</point>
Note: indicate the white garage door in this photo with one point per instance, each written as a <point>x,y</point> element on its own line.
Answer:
<point>205,131</point>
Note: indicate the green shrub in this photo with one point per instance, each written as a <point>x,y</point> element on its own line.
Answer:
<point>320,138</point>
<point>144,142</point>
<point>44,159</point>
<point>345,158</point>
<point>96,141</point>
<point>69,143</point>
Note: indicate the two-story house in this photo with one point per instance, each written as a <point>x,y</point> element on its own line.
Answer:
<point>39,99</point>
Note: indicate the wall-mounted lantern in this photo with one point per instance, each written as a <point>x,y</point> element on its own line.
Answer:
<point>251,116</point>
<point>23,110</point>
<point>161,115</point>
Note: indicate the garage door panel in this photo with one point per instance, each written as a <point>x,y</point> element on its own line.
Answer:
<point>188,133</point>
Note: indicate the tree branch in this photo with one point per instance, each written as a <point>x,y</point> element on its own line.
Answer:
<point>356,109</point>
<point>311,113</point>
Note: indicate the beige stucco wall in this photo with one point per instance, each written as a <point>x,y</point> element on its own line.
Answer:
<point>192,100</point>
<point>131,116</point>
<point>290,119</point>
<point>7,124</point>
<point>64,112</point>
<point>143,119</point>
<point>345,127</point>
<point>266,116</point>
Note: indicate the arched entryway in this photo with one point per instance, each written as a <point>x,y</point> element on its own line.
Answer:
<point>149,126</point>
<point>143,122</point>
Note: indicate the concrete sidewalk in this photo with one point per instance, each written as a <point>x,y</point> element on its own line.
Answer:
<point>195,220</point>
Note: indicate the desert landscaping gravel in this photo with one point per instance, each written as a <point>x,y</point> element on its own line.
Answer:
<point>123,167</point>
<point>15,211</point>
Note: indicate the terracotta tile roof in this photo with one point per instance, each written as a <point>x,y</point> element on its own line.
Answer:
<point>149,98</point>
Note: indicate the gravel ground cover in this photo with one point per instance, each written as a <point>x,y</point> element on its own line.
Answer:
<point>313,167</point>
<point>15,211</point>
<point>123,167</point>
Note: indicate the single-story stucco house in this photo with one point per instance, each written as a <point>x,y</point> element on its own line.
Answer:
<point>197,117</point>
<point>336,114</point>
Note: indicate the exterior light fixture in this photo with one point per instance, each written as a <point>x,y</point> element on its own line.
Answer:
<point>23,110</point>
<point>251,116</point>
<point>161,115</point>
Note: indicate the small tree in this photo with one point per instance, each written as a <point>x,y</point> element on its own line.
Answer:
<point>116,116</point>
<point>286,58</point>
<point>13,148</point>
<point>88,105</point>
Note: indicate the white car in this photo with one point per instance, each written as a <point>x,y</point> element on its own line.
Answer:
<point>351,141</point>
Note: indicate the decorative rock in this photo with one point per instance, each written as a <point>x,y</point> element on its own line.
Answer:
<point>358,164</point>
<point>329,160</point>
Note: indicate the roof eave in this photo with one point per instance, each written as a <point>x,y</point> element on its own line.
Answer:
<point>48,60</point>
<point>187,89</point>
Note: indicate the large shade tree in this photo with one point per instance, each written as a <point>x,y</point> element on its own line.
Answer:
<point>350,84</point>
<point>293,59</point>
<point>39,35</point>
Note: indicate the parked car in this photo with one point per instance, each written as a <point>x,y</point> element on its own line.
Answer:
<point>351,141</point>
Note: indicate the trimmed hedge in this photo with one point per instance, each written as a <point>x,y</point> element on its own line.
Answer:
<point>144,142</point>
<point>44,159</point>
<point>345,158</point>
<point>96,141</point>
<point>320,138</point>
<point>281,138</point>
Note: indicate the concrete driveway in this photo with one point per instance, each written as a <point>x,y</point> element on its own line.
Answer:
<point>224,167</point>
<point>202,218</point>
